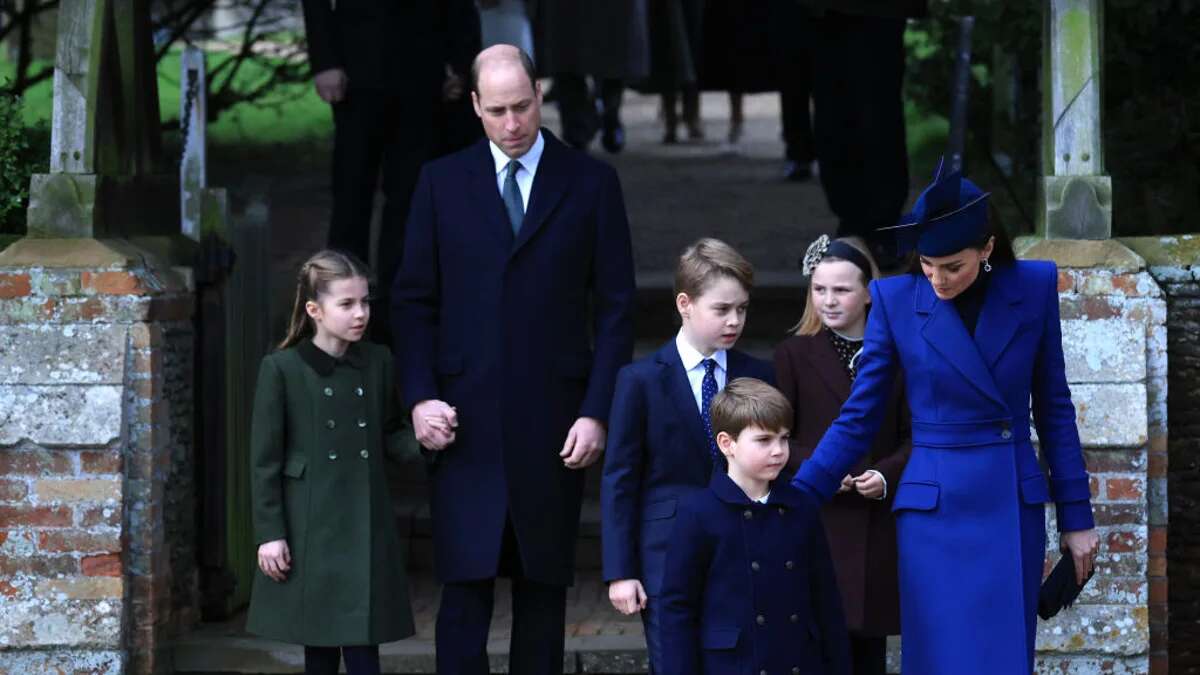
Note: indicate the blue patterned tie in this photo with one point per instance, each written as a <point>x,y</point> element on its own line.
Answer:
<point>708,389</point>
<point>512,197</point>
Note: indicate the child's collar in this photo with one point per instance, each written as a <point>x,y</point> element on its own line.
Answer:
<point>322,362</point>
<point>729,492</point>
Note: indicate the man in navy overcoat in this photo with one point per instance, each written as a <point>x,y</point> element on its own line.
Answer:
<point>512,316</point>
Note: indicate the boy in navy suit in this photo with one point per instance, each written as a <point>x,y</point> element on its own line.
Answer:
<point>749,584</point>
<point>660,443</point>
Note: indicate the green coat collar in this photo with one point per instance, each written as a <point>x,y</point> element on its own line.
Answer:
<point>323,363</point>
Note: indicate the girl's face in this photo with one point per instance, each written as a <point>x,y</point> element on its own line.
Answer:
<point>342,311</point>
<point>714,319</point>
<point>952,274</point>
<point>839,296</point>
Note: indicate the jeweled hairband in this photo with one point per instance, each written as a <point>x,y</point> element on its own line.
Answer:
<point>824,247</point>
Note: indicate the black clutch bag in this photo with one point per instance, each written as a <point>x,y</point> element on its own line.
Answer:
<point>1059,589</point>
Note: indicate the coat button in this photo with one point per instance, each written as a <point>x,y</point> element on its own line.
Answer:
<point>789,564</point>
<point>796,670</point>
<point>329,424</point>
<point>747,514</point>
<point>760,620</point>
<point>333,454</point>
<point>358,391</point>
<point>795,618</point>
<point>1006,434</point>
<point>762,672</point>
<point>754,565</point>
<point>364,454</point>
<point>329,391</point>
<point>362,423</point>
<point>782,511</point>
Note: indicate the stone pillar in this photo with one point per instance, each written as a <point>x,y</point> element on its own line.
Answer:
<point>97,557</point>
<point>1114,341</point>
<point>1075,196</point>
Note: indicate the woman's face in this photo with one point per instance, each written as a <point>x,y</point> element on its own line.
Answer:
<point>952,274</point>
<point>839,296</point>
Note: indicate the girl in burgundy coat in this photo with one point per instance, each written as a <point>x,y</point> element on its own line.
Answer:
<point>815,368</point>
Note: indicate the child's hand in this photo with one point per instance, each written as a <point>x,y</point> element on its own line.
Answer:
<point>627,596</point>
<point>847,484</point>
<point>434,423</point>
<point>275,559</point>
<point>870,484</point>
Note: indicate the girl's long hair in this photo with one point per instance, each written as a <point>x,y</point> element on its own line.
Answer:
<point>810,322</point>
<point>322,269</point>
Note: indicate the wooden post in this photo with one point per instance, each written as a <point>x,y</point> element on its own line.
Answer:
<point>193,170</point>
<point>1075,195</point>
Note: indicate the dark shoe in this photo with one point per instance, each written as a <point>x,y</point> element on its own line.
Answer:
<point>670,137</point>
<point>797,172</point>
<point>613,138</point>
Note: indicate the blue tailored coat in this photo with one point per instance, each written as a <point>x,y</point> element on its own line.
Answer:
<point>523,335</point>
<point>749,588</point>
<point>657,452</point>
<point>969,507</point>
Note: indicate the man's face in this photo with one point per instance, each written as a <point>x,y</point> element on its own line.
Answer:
<point>510,107</point>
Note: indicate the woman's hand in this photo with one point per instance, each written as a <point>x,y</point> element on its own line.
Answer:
<point>847,484</point>
<point>275,559</point>
<point>1082,546</point>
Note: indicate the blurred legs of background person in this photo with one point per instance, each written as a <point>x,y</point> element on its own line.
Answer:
<point>586,109</point>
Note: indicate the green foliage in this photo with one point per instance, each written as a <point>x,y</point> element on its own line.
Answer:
<point>1151,120</point>
<point>23,151</point>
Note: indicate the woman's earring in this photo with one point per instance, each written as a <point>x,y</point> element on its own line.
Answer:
<point>987,266</point>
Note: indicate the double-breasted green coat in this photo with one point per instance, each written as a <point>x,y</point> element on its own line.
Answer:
<point>321,429</point>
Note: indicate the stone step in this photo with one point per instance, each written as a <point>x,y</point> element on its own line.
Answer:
<point>775,306</point>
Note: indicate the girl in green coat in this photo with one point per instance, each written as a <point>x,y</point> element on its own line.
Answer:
<point>330,559</point>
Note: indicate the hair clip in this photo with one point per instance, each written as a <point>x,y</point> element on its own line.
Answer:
<point>814,254</point>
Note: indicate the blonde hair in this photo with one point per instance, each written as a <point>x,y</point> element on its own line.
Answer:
<point>748,402</point>
<point>322,269</point>
<point>810,321</point>
<point>707,260</point>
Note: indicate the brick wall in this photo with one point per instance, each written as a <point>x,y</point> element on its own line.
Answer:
<point>96,543</point>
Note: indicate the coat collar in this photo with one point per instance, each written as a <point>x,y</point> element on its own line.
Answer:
<point>549,185</point>
<point>323,363</point>
<point>729,492</point>
<point>998,323</point>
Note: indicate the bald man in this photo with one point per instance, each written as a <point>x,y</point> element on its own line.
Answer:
<point>512,316</point>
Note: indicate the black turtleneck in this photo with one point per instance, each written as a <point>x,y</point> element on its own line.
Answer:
<point>970,302</point>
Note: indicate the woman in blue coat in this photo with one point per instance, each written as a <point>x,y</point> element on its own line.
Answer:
<point>978,338</point>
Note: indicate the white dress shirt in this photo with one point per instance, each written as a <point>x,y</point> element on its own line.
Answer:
<point>693,363</point>
<point>529,165</point>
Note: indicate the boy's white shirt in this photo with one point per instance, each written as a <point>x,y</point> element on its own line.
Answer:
<point>693,364</point>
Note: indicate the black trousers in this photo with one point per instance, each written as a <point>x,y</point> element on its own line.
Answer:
<point>857,75</point>
<point>868,655</point>
<point>377,133</point>
<point>793,63</point>
<point>325,660</point>
<point>538,623</point>
<point>583,111</point>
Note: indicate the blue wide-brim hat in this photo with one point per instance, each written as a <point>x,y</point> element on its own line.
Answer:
<point>949,216</point>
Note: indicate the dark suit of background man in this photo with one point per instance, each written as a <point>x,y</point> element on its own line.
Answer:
<point>512,313</point>
<point>384,67</point>
<point>856,49</point>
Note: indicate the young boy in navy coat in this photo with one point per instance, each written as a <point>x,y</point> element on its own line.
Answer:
<point>749,585</point>
<point>660,443</point>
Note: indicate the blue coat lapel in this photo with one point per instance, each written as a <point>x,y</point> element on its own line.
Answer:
<point>487,195</point>
<point>999,318</point>
<point>549,186</point>
<point>679,390</point>
<point>944,331</point>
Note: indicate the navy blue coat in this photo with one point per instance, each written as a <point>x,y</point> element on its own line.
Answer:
<point>656,453</point>
<point>750,587</point>
<point>970,522</point>
<point>523,336</point>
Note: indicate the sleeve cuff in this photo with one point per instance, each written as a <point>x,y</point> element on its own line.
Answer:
<point>885,483</point>
<point>1075,516</point>
<point>814,479</point>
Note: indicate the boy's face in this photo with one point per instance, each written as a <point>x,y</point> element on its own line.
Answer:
<point>714,319</point>
<point>756,453</point>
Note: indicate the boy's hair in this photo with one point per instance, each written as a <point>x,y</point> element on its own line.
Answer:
<point>747,402</point>
<point>322,269</point>
<point>707,260</point>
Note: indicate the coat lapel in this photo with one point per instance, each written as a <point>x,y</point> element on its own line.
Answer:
<point>825,361</point>
<point>679,390</point>
<point>487,194</point>
<point>999,318</point>
<point>945,332</point>
<point>549,186</point>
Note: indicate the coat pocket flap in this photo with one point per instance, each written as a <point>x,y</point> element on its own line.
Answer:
<point>449,364</point>
<point>1035,490</point>
<point>917,496</point>
<point>720,638</point>
<point>294,466</point>
<point>659,510</point>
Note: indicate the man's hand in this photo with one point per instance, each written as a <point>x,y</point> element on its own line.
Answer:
<point>275,559</point>
<point>452,86</point>
<point>331,85</point>
<point>847,484</point>
<point>1082,546</point>
<point>585,442</point>
<point>869,484</point>
<point>434,423</point>
<point>627,596</point>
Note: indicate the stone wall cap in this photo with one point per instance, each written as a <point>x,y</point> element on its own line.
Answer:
<point>81,253</point>
<point>1169,251</point>
<point>1108,254</point>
